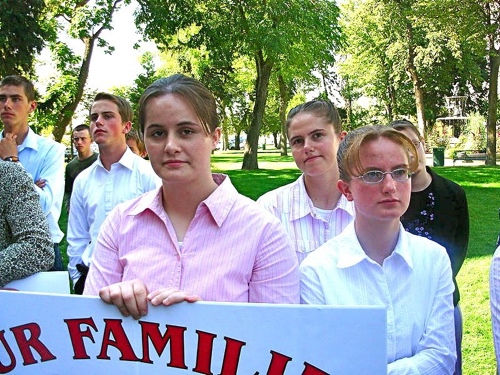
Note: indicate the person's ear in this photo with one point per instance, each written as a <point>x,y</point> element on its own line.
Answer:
<point>32,106</point>
<point>344,188</point>
<point>342,134</point>
<point>126,127</point>
<point>215,137</point>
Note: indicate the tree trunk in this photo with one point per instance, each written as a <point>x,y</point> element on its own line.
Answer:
<point>277,142</point>
<point>284,99</point>
<point>69,109</point>
<point>261,85</point>
<point>491,131</point>
<point>417,83</point>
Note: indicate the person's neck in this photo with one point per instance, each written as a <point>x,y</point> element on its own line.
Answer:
<point>420,181</point>
<point>181,202</point>
<point>85,155</point>
<point>378,239</point>
<point>110,154</point>
<point>323,191</point>
<point>186,197</point>
<point>21,131</point>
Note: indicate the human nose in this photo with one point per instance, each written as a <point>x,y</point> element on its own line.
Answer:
<point>171,144</point>
<point>7,103</point>
<point>388,183</point>
<point>308,145</point>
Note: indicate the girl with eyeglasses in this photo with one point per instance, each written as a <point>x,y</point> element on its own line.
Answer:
<point>374,261</point>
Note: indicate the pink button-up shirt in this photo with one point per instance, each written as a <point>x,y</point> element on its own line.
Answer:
<point>233,251</point>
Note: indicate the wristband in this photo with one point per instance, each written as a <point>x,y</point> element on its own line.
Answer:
<point>13,158</point>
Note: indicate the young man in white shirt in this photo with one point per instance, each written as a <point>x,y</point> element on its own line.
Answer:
<point>117,176</point>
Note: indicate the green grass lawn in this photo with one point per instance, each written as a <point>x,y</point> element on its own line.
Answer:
<point>482,185</point>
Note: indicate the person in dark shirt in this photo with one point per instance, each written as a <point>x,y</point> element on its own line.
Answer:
<point>438,210</point>
<point>86,157</point>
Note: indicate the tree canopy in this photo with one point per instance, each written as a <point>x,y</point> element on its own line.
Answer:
<point>288,33</point>
<point>25,30</point>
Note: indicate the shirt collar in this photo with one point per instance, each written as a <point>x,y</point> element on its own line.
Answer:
<point>352,253</point>
<point>127,159</point>
<point>218,204</point>
<point>305,207</point>
<point>29,142</point>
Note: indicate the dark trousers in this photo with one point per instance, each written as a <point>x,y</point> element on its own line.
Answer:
<point>58,263</point>
<point>80,284</point>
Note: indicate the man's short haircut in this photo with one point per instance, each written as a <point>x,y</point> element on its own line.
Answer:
<point>26,84</point>
<point>124,108</point>
<point>81,127</point>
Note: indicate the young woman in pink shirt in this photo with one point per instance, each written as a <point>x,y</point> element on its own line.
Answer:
<point>195,237</point>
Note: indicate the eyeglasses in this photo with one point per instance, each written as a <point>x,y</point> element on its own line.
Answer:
<point>375,177</point>
<point>416,144</point>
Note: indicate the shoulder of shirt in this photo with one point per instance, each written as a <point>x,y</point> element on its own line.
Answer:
<point>49,142</point>
<point>137,205</point>
<point>7,167</point>
<point>423,246</point>
<point>252,209</point>
<point>440,180</point>
<point>272,197</point>
<point>84,175</point>
<point>325,254</point>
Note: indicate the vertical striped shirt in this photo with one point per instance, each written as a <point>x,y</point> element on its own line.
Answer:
<point>308,227</point>
<point>233,250</point>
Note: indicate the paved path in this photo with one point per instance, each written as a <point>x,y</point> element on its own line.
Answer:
<point>449,162</point>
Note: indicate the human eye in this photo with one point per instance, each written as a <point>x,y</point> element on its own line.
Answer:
<point>93,117</point>
<point>400,174</point>
<point>186,131</point>
<point>317,135</point>
<point>157,133</point>
<point>296,141</point>
<point>373,176</point>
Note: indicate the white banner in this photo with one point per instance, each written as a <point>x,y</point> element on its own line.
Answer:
<point>65,334</point>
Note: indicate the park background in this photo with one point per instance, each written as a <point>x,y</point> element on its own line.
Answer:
<point>377,60</point>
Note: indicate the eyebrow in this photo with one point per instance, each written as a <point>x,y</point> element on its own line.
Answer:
<point>182,123</point>
<point>311,132</point>
<point>368,169</point>
<point>103,113</point>
<point>11,96</point>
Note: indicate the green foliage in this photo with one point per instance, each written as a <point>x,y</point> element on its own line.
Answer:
<point>24,31</point>
<point>133,93</point>
<point>388,40</point>
<point>81,21</point>
<point>292,36</point>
